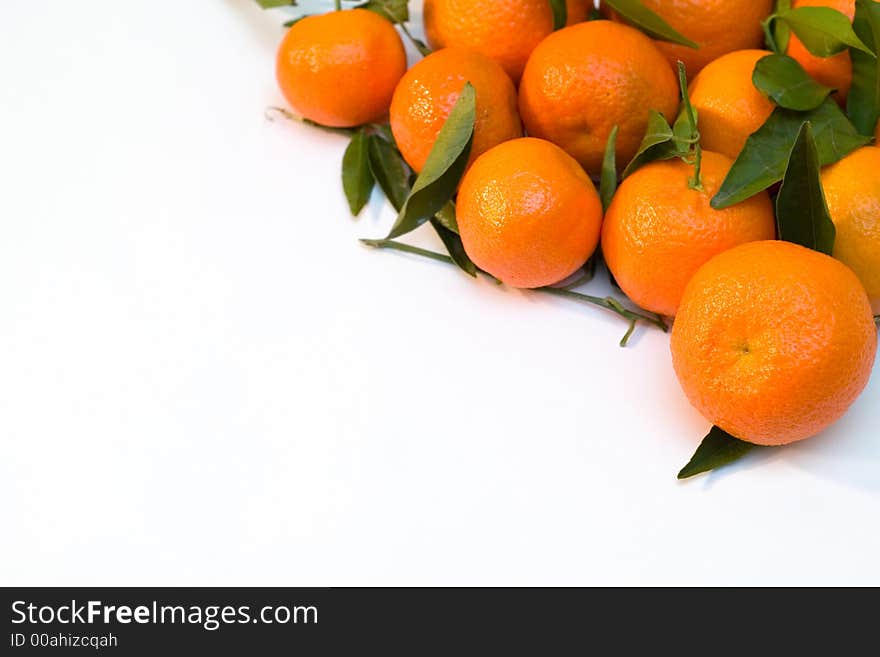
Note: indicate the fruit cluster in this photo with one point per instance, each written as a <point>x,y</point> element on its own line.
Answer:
<point>730,140</point>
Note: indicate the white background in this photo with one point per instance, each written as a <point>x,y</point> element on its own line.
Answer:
<point>205,379</point>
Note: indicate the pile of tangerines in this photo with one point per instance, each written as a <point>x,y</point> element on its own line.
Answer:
<point>730,141</point>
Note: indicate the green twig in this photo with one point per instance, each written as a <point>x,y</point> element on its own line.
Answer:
<point>612,304</point>
<point>696,182</point>
<point>271,112</point>
<point>424,51</point>
<point>608,303</point>
<point>406,248</point>
<point>337,4</point>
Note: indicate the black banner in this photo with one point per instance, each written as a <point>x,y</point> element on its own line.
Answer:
<point>269,621</point>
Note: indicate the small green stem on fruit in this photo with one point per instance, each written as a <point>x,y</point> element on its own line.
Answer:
<point>608,303</point>
<point>696,182</point>
<point>337,4</point>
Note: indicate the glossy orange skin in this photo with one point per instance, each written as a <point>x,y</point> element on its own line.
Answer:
<point>852,190</point>
<point>773,342</point>
<point>506,31</point>
<point>836,71</point>
<point>719,26</point>
<point>583,80</point>
<point>658,232</point>
<point>528,213</point>
<point>728,105</point>
<point>428,92</point>
<point>340,69</point>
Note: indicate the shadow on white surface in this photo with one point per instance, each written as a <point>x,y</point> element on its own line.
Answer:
<point>844,453</point>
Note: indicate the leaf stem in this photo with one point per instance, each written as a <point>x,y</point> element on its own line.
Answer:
<point>337,4</point>
<point>407,248</point>
<point>424,51</point>
<point>608,303</point>
<point>271,112</point>
<point>612,304</point>
<point>695,182</point>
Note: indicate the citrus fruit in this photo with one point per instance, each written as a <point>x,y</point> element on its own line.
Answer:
<point>773,342</point>
<point>835,71</point>
<point>583,80</point>
<point>719,26</point>
<point>340,69</point>
<point>728,105</point>
<point>528,213</point>
<point>429,90</point>
<point>852,190</point>
<point>658,231</point>
<point>505,31</point>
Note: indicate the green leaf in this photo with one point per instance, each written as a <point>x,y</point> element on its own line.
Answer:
<point>649,22</point>
<point>657,144</point>
<point>822,30</point>
<point>718,449</point>
<point>396,11</point>
<point>681,129</point>
<point>765,156</point>
<point>777,33</point>
<point>787,84</point>
<point>444,168</point>
<point>685,132</point>
<point>357,178</point>
<point>801,212</point>
<point>608,181</point>
<point>863,102</point>
<point>560,14</point>
<point>271,4</point>
<point>390,170</point>
<point>453,245</point>
<point>446,217</point>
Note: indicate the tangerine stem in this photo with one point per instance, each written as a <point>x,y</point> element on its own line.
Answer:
<point>338,4</point>
<point>608,303</point>
<point>696,182</point>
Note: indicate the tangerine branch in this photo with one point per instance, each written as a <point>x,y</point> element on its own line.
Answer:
<point>608,303</point>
